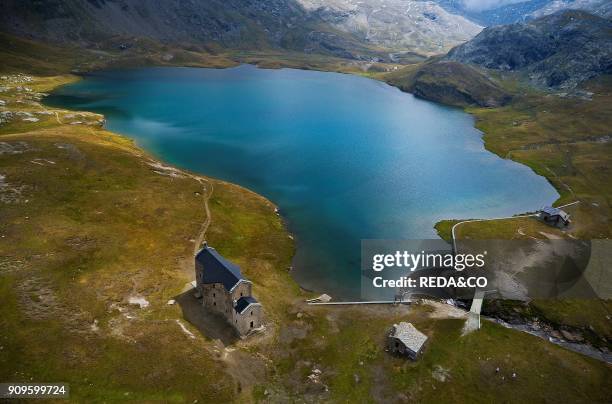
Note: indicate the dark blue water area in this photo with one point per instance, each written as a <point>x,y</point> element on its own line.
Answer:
<point>344,157</point>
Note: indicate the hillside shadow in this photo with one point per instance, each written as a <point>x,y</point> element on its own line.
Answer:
<point>211,325</point>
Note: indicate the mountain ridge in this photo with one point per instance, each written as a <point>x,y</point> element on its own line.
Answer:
<point>556,51</point>
<point>522,11</point>
<point>341,28</point>
<point>396,24</point>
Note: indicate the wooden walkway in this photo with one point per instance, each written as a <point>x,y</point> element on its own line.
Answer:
<point>406,301</point>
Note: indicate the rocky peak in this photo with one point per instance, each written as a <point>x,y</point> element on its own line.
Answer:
<point>559,50</point>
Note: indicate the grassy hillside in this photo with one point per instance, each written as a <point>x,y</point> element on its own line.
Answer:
<point>18,55</point>
<point>566,140</point>
<point>88,221</point>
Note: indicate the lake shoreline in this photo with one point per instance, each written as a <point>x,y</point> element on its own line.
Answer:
<point>468,145</point>
<point>377,77</point>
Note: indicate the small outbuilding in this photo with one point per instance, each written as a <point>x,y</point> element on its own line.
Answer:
<point>405,340</point>
<point>554,216</point>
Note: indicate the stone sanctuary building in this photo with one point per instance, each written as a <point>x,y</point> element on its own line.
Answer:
<point>224,290</point>
<point>405,340</point>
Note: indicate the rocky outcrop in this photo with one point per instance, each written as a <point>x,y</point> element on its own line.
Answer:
<point>451,83</point>
<point>559,51</point>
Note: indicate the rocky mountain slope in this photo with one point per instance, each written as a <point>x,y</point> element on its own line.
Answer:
<point>495,14</point>
<point>345,28</point>
<point>421,26</point>
<point>450,83</point>
<point>508,12</point>
<point>229,23</point>
<point>602,8</point>
<point>559,51</point>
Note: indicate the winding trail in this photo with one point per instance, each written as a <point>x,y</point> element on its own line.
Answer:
<point>57,117</point>
<point>208,189</point>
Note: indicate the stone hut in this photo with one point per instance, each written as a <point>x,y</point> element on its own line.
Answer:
<point>554,216</point>
<point>225,291</point>
<point>405,340</point>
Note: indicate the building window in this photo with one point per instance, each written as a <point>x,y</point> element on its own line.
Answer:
<point>214,303</point>
<point>241,295</point>
<point>251,324</point>
<point>251,313</point>
<point>214,295</point>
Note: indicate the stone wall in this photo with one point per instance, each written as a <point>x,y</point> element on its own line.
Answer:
<point>216,298</point>
<point>199,271</point>
<point>250,319</point>
<point>242,289</point>
<point>397,347</point>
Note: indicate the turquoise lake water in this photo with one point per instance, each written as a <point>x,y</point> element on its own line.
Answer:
<point>344,157</point>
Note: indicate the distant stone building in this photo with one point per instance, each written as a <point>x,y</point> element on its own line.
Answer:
<point>554,216</point>
<point>224,290</point>
<point>405,340</point>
